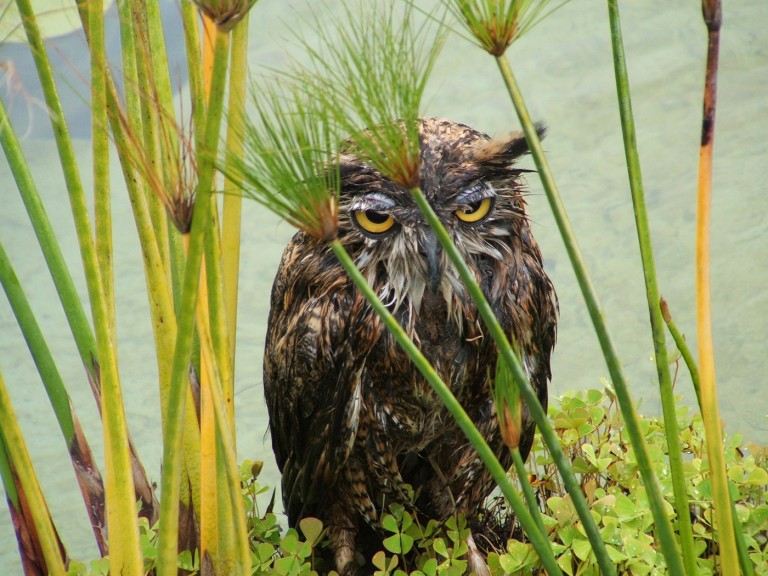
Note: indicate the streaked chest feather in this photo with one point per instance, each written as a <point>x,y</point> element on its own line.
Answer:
<point>399,401</point>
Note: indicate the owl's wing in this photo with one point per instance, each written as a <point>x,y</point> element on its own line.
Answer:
<point>539,298</point>
<point>318,336</point>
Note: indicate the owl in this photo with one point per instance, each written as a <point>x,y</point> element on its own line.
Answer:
<point>354,426</point>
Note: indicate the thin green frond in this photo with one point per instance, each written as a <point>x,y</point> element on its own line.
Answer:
<point>370,70</point>
<point>495,24</point>
<point>290,159</point>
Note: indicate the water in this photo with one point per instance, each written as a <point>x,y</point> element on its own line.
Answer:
<point>565,72</point>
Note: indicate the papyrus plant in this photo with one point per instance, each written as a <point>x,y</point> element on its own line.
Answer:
<point>177,231</point>
<point>368,78</point>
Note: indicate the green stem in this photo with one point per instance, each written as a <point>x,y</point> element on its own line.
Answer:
<point>41,354</point>
<point>530,497</point>
<point>100,143</point>
<point>671,430</point>
<point>172,428</point>
<point>631,420</point>
<point>537,538</point>
<point>151,122</point>
<point>233,199</point>
<point>218,314</point>
<point>163,92</point>
<point>123,533</point>
<point>226,450</point>
<point>88,475</point>
<point>6,474</point>
<point>529,394</point>
<point>191,18</point>
<point>62,279</point>
<point>683,348</point>
<point>693,369</point>
<point>160,147</point>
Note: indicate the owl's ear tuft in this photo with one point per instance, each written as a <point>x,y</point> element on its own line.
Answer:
<point>506,149</point>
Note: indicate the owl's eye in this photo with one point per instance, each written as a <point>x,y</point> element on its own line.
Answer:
<point>475,211</point>
<point>374,222</point>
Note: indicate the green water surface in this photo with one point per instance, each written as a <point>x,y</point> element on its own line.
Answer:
<point>564,69</point>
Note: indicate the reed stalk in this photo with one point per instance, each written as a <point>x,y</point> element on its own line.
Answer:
<point>27,487</point>
<point>216,546</point>
<point>26,535</point>
<point>217,315</point>
<point>162,93</point>
<point>232,208</point>
<point>509,408</point>
<point>685,351</point>
<point>54,258</point>
<point>235,554</point>
<point>631,420</point>
<point>671,429</point>
<point>190,18</point>
<point>210,535</point>
<point>710,411</point>
<point>528,493</point>
<point>100,145</point>
<point>149,130</point>
<point>119,483</point>
<point>87,474</point>
<point>172,428</point>
<point>683,348</point>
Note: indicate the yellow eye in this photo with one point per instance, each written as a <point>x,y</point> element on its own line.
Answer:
<point>475,211</point>
<point>374,222</point>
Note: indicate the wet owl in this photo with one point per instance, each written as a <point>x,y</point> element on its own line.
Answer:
<point>354,425</point>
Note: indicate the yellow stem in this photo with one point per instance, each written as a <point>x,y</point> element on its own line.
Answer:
<point>209,528</point>
<point>232,208</point>
<point>209,42</point>
<point>11,437</point>
<point>710,411</point>
<point>709,403</point>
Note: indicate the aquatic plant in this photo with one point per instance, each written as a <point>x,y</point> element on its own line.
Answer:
<point>371,90</point>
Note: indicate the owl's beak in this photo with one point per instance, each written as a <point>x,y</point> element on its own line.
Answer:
<point>433,252</point>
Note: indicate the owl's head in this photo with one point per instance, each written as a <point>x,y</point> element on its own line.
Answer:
<point>472,184</point>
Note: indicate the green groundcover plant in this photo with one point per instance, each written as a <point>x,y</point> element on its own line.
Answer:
<point>590,429</point>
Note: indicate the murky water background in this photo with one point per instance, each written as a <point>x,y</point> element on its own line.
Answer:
<point>565,72</point>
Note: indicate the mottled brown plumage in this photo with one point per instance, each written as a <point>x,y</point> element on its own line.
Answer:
<point>352,420</point>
